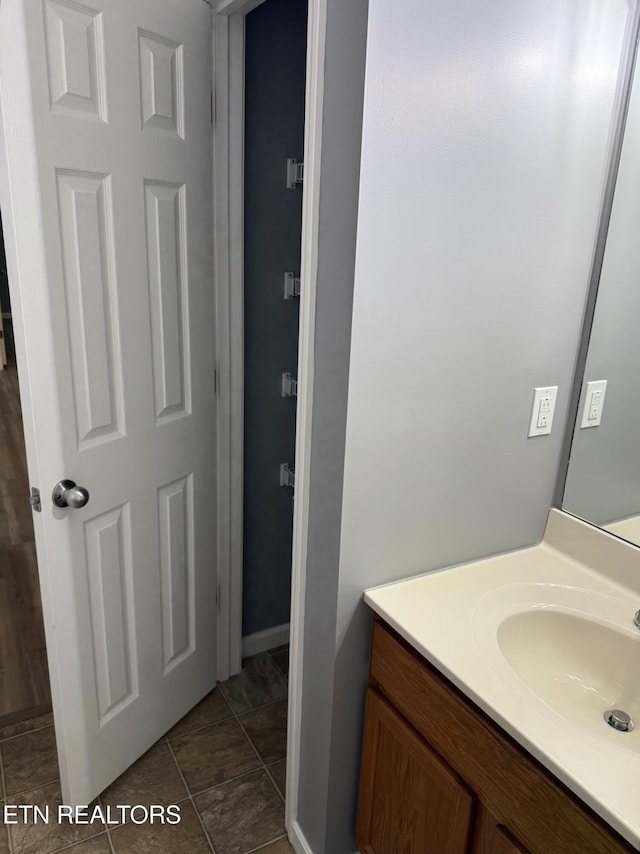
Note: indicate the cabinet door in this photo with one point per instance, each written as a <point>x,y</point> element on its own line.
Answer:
<point>491,837</point>
<point>410,801</point>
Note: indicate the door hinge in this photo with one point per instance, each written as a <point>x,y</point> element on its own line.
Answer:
<point>291,286</point>
<point>295,173</point>
<point>289,385</point>
<point>34,499</point>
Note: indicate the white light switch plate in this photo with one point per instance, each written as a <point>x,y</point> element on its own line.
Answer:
<point>594,393</point>
<point>544,404</point>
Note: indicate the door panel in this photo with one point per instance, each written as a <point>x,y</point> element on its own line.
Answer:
<point>175,510</point>
<point>86,238</point>
<point>166,253</point>
<point>75,58</point>
<point>107,187</point>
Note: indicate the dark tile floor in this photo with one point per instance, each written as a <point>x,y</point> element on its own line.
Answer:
<point>224,764</point>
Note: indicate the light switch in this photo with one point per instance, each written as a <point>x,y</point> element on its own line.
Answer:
<point>594,393</point>
<point>544,404</point>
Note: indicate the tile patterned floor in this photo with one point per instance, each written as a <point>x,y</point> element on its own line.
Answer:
<point>224,764</point>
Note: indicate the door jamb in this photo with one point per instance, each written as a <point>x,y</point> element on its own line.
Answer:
<point>228,19</point>
<point>228,191</point>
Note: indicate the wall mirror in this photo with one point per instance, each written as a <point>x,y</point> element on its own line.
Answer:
<point>603,476</point>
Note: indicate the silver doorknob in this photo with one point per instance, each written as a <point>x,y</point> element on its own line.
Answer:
<point>67,494</point>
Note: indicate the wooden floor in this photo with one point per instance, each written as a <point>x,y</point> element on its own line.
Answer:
<point>24,677</point>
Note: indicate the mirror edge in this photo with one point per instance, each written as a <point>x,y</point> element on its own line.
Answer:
<point>623,97</point>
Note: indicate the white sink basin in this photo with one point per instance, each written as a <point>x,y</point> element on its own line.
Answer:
<point>575,650</point>
<point>579,667</point>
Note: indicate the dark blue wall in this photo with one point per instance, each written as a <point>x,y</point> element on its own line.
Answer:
<point>274,131</point>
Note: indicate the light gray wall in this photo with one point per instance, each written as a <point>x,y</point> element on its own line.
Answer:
<point>603,480</point>
<point>482,166</point>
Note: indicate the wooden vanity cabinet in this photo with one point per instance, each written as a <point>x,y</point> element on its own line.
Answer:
<point>440,777</point>
<point>407,792</point>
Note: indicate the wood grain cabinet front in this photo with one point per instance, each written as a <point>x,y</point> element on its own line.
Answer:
<point>491,837</point>
<point>440,777</point>
<point>411,801</point>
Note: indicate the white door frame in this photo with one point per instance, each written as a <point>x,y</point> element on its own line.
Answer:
<point>228,51</point>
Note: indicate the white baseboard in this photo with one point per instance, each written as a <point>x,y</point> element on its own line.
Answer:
<point>265,640</point>
<point>299,840</point>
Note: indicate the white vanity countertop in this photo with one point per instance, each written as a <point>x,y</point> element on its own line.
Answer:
<point>629,529</point>
<point>451,616</point>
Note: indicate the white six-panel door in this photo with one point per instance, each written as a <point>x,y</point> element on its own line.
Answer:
<point>106,199</point>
